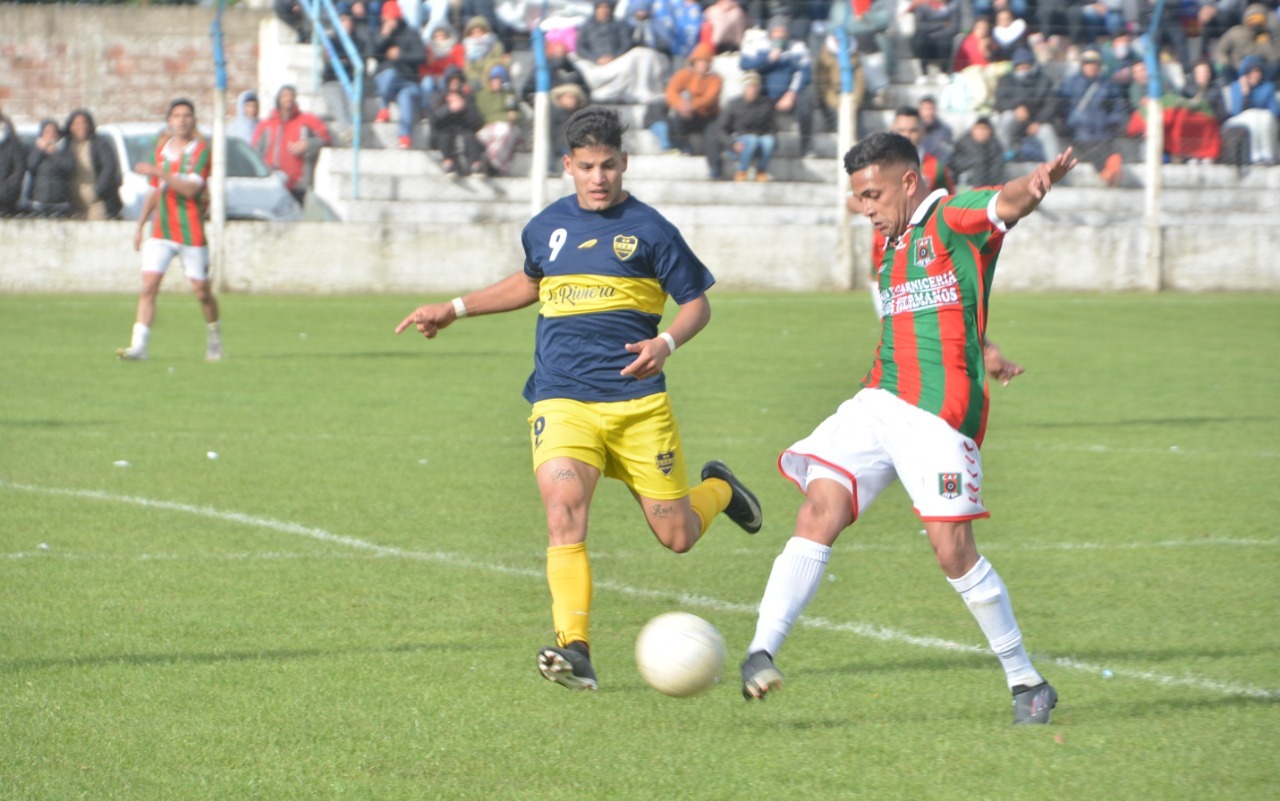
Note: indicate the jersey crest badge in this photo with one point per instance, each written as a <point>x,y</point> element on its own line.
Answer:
<point>949,485</point>
<point>666,462</point>
<point>590,243</point>
<point>924,251</point>
<point>624,246</point>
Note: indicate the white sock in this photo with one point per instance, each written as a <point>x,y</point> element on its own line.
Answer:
<point>985,595</point>
<point>215,332</point>
<point>797,574</point>
<point>141,333</point>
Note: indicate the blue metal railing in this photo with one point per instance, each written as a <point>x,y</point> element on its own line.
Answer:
<point>352,81</point>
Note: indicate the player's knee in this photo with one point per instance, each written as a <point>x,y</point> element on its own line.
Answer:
<point>822,522</point>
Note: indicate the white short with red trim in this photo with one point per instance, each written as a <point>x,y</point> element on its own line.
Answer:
<point>875,437</point>
<point>157,253</point>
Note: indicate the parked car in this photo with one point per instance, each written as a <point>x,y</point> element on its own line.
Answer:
<point>254,190</point>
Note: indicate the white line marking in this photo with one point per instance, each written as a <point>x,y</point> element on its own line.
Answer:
<point>865,630</point>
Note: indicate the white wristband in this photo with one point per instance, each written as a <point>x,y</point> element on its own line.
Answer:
<point>670,340</point>
<point>459,308</point>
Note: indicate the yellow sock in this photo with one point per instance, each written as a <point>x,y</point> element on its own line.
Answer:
<point>569,577</point>
<point>709,499</point>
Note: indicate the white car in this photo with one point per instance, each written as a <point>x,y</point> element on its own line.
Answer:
<point>254,191</point>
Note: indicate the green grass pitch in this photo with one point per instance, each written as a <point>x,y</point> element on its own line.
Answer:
<point>346,602</point>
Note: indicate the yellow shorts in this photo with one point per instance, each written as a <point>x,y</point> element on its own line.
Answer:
<point>635,441</point>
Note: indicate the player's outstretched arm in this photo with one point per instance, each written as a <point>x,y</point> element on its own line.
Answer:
<point>1019,197</point>
<point>513,292</point>
<point>652,353</point>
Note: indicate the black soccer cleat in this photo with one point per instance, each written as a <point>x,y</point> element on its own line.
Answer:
<point>1033,705</point>
<point>744,508</point>
<point>759,676</point>
<point>569,667</point>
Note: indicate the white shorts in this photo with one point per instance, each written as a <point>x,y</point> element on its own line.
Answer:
<point>875,437</point>
<point>157,253</point>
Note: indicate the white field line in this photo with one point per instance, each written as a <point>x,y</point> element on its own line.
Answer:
<point>865,630</point>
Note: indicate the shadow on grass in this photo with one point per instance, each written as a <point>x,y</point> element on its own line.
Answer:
<point>275,655</point>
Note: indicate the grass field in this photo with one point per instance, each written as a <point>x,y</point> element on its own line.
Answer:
<point>346,602</point>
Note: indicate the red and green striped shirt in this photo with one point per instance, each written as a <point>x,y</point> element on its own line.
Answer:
<point>178,218</point>
<point>934,282</point>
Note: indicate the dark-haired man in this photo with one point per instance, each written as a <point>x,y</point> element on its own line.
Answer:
<point>922,412</point>
<point>603,264</point>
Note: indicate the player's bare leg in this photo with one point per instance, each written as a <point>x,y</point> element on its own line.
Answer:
<point>146,315</point>
<point>209,306</point>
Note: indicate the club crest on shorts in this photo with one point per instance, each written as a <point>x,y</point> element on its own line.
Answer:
<point>666,462</point>
<point>949,485</point>
<point>924,251</point>
<point>624,246</point>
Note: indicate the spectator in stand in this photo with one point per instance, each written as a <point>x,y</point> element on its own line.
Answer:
<point>1251,104</point>
<point>1093,21</point>
<point>617,72</point>
<point>337,105</point>
<point>292,14</point>
<point>1213,18</point>
<point>455,119</point>
<point>750,125</point>
<point>481,51</point>
<point>563,71</point>
<point>937,23</point>
<point>826,82</point>
<point>726,23</point>
<point>500,109</point>
<point>1204,88</point>
<point>95,187</point>
<point>289,141</point>
<point>489,10</point>
<point>443,51</point>
<point>786,72</point>
<point>977,48</point>
<point>651,27</point>
<point>1258,36</point>
<point>867,23</point>
<point>992,8</point>
<point>13,167</point>
<point>907,122</point>
<point>1027,102</point>
<point>693,103</point>
<point>400,55</point>
<point>52,169</point>
<point>245,122</point>
<point>979,157</point>
<point>1009,33</point>
<point>938,139</point>
<point>1094,111</point>
<point>565,100</point>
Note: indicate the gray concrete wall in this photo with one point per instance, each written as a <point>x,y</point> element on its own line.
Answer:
<point>334,258</point>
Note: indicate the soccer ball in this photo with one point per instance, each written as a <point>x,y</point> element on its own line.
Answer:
<point>680,654</point>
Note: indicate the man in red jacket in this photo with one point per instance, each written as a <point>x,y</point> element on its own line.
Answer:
<point>290,139</point>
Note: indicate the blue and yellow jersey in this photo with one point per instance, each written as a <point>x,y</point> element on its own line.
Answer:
<point>605,277</point>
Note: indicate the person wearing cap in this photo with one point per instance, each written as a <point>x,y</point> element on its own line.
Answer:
<point>750,125</point>
<point>481,51</point>
<point>500,108</point>
<point>785,68</point>
<point>1258,35</point>
<point>1026,104</point>
<point>400,54</point>
<point>693,106</point>
<point>655,31</point>
<point>1251,104</point>
<point>1094,111</point>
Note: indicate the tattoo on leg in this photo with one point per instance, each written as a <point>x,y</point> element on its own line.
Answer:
<point>563,474</point>
<point>660,511</point>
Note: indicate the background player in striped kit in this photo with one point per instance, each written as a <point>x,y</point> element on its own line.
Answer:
<point>178,178</point>
<point>922,412</point>
<point>603,264</point>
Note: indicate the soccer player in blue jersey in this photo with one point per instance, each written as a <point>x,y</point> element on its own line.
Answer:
<point>602,264</point>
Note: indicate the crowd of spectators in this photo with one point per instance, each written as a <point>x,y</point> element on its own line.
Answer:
<point>67,171</point>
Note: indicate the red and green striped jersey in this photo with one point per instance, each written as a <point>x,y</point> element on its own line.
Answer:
<point>934,282</point>
<point>178,218</point>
